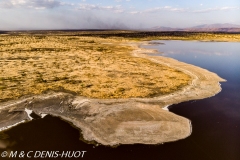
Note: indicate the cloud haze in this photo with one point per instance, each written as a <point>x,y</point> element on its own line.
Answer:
<point>114,14</point>
<point>36,4</point>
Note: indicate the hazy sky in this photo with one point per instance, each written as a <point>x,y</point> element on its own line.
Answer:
<point>115,14</point>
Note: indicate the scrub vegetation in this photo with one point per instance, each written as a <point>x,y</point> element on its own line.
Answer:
<point>96,64</point>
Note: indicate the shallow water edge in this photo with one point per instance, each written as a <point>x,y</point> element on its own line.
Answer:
<point>111,121</point>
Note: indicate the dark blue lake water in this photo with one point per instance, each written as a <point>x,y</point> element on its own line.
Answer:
<point>215,120</point>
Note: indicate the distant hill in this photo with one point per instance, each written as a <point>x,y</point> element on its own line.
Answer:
<point>218,25</point>
<point>226,27</point>
<point>164,29</point>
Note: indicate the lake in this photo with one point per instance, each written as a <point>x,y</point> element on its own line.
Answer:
<point>215,120</point>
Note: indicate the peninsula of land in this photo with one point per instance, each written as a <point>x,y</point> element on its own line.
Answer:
<point>101,82</point>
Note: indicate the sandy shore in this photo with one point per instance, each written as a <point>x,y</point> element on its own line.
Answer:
<point>122,121</point>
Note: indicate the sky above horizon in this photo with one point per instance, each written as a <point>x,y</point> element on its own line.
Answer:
<point>115,14</point>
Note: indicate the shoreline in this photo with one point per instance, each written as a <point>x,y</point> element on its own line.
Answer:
<point>111,121</point>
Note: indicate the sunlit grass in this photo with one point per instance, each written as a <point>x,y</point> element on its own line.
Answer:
<point>92,65</point>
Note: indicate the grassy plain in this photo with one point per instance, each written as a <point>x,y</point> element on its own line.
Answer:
<point>95,64</point>
<point>142,35</point>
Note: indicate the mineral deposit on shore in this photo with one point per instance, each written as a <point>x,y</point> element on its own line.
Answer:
<point>127,114</point>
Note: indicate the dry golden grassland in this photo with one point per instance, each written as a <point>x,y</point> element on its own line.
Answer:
<point>220,37</point>
<point>148,35</point>
<point>89,66</point>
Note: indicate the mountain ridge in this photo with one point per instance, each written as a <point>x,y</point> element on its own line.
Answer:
<point>217,27</point>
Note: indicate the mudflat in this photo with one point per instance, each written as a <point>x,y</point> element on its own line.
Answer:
<point>106,86</point>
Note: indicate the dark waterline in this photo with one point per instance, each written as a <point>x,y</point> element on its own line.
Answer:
<point>215,120</point>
